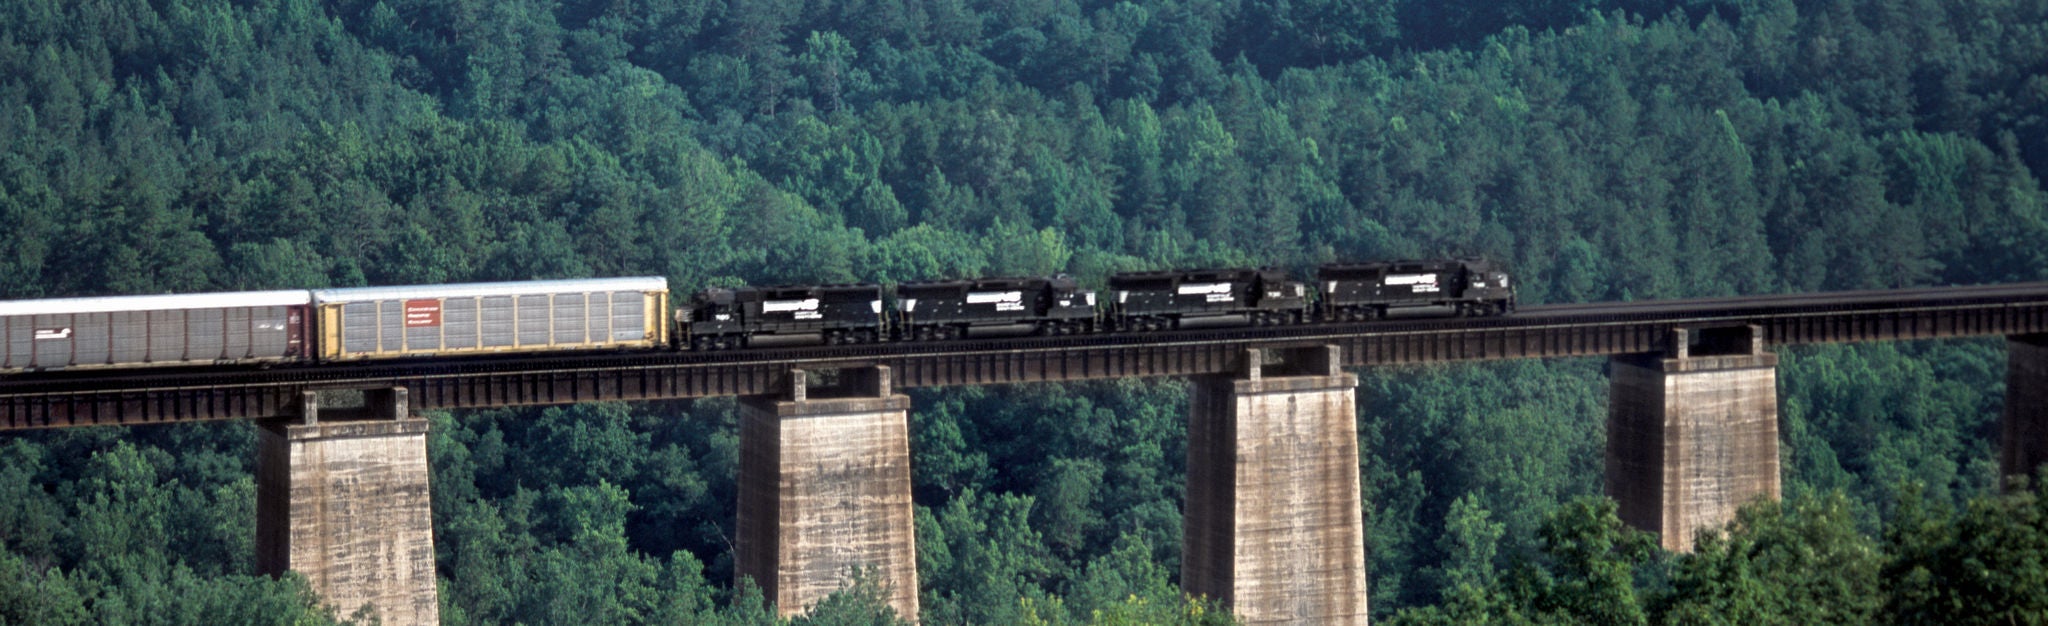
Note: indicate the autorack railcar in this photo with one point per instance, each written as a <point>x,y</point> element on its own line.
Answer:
<point>482,318</point>
<point>154,331</point>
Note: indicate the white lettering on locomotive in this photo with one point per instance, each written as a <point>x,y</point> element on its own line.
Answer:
<point>779,306</point>
<point>1204,288</point>
<point>1411,279</point>
<point>986,297</point>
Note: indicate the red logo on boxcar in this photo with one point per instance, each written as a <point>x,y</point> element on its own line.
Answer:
<point>422,313</point>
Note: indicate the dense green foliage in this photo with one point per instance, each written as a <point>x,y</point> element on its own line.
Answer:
<point>1606,149</point>
<point>1801,562</point>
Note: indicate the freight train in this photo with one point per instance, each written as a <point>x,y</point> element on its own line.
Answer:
<point>378,323</point>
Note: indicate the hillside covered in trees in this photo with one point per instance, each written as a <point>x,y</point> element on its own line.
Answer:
<point>1604,149</point>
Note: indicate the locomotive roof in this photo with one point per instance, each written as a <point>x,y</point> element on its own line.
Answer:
<point>1061,281</point>
<point>728,295</point>
<point>162,302</point>
<point>1235,273</point>
<point>1407,265</point>
<point>470,290</point>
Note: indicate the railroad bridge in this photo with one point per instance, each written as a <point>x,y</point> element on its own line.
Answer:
<point>1273,524</point>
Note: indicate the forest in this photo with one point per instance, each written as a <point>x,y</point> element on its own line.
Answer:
<point>1602,149</point>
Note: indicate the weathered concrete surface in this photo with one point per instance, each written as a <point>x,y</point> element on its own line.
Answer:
<point>1691,440</point>
<point>2025,427</point>
<point>824,490</point>
<point>1273,524</point>
<point>345,505</point>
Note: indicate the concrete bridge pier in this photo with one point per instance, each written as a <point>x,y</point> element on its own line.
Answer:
<point>824,491</point>
<point>1692,433</point>
<point>345,504</point>
<point>2024,433</point>
<point>1273,523</point>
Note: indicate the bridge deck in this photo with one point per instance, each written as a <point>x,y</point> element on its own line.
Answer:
<point>57,399</point>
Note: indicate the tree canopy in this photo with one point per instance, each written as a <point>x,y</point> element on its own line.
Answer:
<point>1602,149</point>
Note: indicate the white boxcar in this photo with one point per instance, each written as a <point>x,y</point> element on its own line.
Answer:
<point>481,318</point>
<point>147,331</point>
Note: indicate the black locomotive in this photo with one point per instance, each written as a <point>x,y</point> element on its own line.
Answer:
<point>1365,291</point>
<point>949,309</point>
<point>1148,301</point>
<point>722,318</point>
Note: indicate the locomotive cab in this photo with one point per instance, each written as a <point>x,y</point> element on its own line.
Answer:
<point>1488,290</point>
<point>712,320</point>
<point>1066,300</point>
